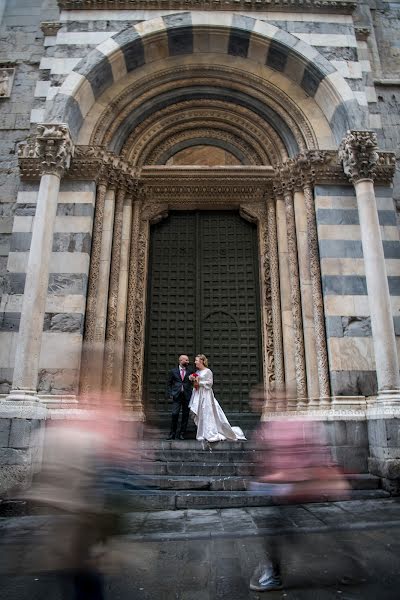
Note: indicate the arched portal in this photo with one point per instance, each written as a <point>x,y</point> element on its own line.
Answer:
<point>244,97</point>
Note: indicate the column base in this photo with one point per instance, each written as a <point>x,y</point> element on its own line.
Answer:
<point>388,398</point>
<point>25,396</point>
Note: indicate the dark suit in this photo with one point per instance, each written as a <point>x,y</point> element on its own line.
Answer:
<point>180,392</point>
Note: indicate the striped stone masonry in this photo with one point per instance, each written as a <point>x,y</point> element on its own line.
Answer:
<point>348,327</point>
<point>66,297</point>
<point>285,45</point>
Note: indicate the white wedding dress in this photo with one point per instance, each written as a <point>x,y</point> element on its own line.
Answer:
<point>212,424</point>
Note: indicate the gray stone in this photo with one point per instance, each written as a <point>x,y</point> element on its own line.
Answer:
<point>353,383</point>
<point>348,284</point>
<point>12,456</point>
<point>340,249</point>
<point>356,326</point>
<point>21,241</point>
<point>76,210</point>
<point>67,322</point>
<point>67,283</point>
<point>334,326</point>
<point>357,433</point>
<point>5,426</point>
<point>9,321</point>
<point>20,434</point>
<point>72,242</point>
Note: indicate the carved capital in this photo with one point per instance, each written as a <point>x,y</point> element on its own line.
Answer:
<point>308,166</point>
<point>359,155</point>
<point>50,150</point>
<point>154,212</point>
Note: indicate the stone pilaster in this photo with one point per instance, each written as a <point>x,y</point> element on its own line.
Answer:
<point>52,148</point>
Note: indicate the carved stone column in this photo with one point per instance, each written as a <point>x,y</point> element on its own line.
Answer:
<point>359,154</point>
<point>53,147</point>
<point>123,289</point>
<point>305,165</point>
<point>257,213</point>
<point>275,293</point>
<point>87,378</point>
<point>301,380</point>
<point>129,357</point>
<point>284,285</point>
<point>111,329</point>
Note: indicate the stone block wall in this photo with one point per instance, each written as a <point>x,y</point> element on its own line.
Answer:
<point>348,326</point>
<point>69,269</point>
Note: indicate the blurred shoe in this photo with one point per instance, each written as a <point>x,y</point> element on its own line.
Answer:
<point>265,580</point>
<point>171,436</point>
<point>181,436</point>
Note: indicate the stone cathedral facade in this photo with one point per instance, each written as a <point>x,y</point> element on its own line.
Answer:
<point>194,176</point>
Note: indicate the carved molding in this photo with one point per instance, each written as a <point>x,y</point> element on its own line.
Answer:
<point>237,125</point>
<point>172,79</point>
<point>358,153</point>
<point>272,241</point>
<point>316,6</point>
<point>257,213</point>
<point>49,151</point>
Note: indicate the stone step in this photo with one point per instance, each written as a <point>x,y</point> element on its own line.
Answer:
<point>178,500</point>
<point>197,469</point>
<point>224,483</point>
<point>195,455</point>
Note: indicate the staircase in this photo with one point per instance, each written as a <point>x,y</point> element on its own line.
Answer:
<point>187,474</point>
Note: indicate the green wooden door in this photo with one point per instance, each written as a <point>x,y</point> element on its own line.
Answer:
<point>203,296</point>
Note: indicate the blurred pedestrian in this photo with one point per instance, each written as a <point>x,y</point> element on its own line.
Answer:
<point>294,466</point>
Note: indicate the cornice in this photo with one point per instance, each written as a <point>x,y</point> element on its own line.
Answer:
<point>97,164</point>
<point>316,6</point>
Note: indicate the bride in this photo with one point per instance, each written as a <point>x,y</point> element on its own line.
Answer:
<point>212,424</point>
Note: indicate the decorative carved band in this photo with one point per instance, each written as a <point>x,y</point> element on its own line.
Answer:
<point>342,6</point>
<point>272,240</point>
<point>49,151</point>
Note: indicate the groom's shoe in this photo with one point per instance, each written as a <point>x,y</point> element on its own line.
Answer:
<point>181,436</point>
<point>171,436</point>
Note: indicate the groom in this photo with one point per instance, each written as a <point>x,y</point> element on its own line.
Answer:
<point>179,390</point>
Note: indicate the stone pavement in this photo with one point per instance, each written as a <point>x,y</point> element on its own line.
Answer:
<point>210,554</point>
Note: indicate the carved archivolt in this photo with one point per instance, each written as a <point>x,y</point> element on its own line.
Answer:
<point>153,138</point>
<point>152,86</point>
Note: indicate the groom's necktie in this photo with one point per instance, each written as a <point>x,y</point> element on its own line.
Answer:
<point>182,374</point>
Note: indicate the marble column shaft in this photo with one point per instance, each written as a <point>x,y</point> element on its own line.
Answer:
<point>387,366</point>
<point>123,292</point>
<point>90,374</point>
<point>285,298</point>
<point>36,284</point>
<point>111,349</point>
<point>307,299</point>
<point>318,302</point>
<point>301,381</point>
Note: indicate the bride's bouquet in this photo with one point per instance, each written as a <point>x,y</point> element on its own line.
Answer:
<point>194,378</point>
